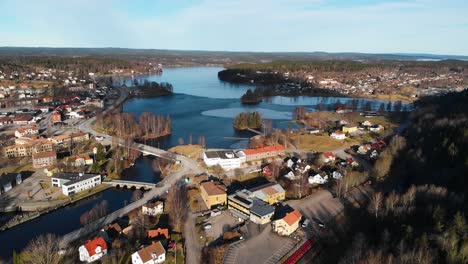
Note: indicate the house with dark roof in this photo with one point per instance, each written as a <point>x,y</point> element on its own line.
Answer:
<point>244,204</point>
<point>9,180</point>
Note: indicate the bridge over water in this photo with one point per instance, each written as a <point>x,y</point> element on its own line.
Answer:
<point>131,184</point>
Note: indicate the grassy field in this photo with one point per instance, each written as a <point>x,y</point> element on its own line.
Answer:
<point>323,142</point>
<point>27,167</point>
<point>191,151</point>
<point>392,97</point>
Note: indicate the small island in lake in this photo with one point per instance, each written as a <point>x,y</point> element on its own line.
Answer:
<point>252,97</point>
<point>246,120</point>
<point>149,89</point>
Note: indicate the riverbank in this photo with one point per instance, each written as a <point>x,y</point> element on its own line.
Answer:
<point>35,214</point>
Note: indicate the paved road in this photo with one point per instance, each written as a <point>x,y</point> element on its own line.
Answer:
<point>192,247</point>
<point>187,166</point>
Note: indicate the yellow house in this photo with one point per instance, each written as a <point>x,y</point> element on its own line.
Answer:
<point>271,193</point>
<point>288,224</point>
<point>350,129</point>
<point>213,194</point>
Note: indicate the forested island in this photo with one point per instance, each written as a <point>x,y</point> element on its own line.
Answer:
<point>246,120</point>
<point>151,89</point>
<point>123,125</point>
<point>252,97</point>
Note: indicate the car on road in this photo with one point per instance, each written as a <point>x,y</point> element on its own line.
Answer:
<point>207,226</point>
<point>306,223</point>
<point>319,223</point>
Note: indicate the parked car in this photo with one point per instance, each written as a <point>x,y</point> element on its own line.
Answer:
<point>305,223</point>
<point>318,222</point>
<point>207,226</point>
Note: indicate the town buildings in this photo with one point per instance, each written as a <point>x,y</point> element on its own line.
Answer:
<point>270,193</point>
<point>153,209</point>
<point>44,159</point>
<point>338,135</point>
<point>9,180</point>
<point>264,152</point>
<point>26,131</point>
<point>227,159</point>
<point>287,223</point>
<point>213,194</point>
<point>245,205</point>
<point>152,254</point>
<point>93,250</point>
<point>72,183</point>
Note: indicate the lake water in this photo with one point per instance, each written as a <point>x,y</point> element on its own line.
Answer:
<point>202,105</point>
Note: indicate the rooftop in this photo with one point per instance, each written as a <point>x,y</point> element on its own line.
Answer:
<point>222,154</point>
<point>212,188</point>
<point>260,208</point>
<point>264,149</point>
<point>146,254</point>
<point>91,245</point>
<point>267,190</point>
<point>74,177</point>
<point>46,154</point>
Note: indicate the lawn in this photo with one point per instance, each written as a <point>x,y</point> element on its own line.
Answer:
<point>191,151</point>
<point>322,143</point>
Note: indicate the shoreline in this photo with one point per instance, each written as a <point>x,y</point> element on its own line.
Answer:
<point>52,208</point>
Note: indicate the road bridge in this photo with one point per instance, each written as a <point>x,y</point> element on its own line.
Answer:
<point>130,184</point>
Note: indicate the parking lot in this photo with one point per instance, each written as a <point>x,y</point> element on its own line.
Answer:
<point>220,224</point>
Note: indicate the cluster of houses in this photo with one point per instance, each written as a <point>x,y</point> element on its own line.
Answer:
<point>153,252</point>
<point>353,129</point>
<point>42,151</point>
<point>231,159</point>
<point>295,168</point>
<point>257,204</point>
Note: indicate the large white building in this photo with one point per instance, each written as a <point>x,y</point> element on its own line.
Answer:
<point>227,159</point>
<point>72,183</point>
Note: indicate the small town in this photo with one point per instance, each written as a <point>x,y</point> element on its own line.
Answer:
<point>233,132</point>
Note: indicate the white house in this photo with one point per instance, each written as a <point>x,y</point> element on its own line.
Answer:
<point>227,159</point>
<point>72,183</point>
<point>329,157</point>
<point>153,254</point>
<point>93,250</point>
<point>153,209</point>
<point>338,135</point>
<point>337,175</point>
<point>376,128</point>
<point>318,179</point>
<point>21,132</point>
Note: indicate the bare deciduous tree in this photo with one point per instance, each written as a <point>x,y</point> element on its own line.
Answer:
<point>178,204</point>
<point>43,250</point>
<point>376,203</point>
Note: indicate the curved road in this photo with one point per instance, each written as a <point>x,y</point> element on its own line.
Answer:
<point>187,166</point>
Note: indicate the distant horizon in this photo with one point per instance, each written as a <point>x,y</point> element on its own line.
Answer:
<point>242,51</point>
<point>333,26</point>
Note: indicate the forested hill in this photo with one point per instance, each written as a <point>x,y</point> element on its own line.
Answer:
<point>418,213</point>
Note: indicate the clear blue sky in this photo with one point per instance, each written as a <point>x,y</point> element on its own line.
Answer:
<point>374,26</point>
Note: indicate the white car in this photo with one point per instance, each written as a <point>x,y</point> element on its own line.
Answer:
<point>207,226</point>
<point>306,223</point>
